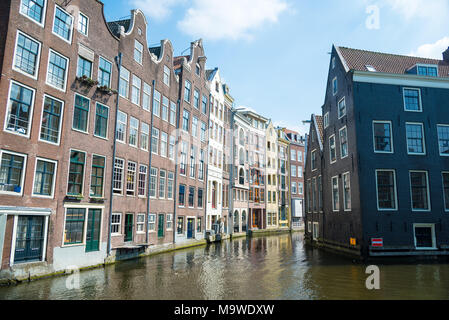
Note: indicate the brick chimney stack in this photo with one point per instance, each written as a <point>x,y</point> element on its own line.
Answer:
<point>446,55</point>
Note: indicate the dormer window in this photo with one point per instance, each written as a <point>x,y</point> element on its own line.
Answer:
<point>370,68</point>
<point>429,71</point>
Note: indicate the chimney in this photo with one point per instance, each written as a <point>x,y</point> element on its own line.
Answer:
<point>446,55</point>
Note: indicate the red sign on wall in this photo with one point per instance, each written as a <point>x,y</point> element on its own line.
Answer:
<point>377,242</point>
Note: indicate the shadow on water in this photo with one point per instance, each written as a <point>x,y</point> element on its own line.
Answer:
<point>274,267</point>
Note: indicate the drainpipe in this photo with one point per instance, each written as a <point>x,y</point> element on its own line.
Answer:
<point>206,178</point>
<point>118,61</point>
<point>231,179</point>
<point>178,114</point>
<point>147,238</point>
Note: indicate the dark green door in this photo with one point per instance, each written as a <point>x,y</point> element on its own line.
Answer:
<point>129,227</point>
<point>29,239</point>
<point>93,230</point>
<point>160,226</point>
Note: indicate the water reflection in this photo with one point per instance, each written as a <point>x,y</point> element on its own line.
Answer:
<point>277,267</point>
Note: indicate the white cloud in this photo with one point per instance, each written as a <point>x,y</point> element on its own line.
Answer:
<point>156,9</point>
<point>432,50</point>
<point>230,19</point>
<point>409,9</point>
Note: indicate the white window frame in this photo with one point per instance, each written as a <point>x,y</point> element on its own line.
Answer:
<point>332,193</point>
<point>107,124</point>
<point>136,130</point>
<point>330,148</point>
<point>429,225</point>
<point>35,76</point>
<point>119,224</point>
<point>152,223</point>
<point>419,99</point>
<point>334,86</point>
<point>136,80</point>
<point>121,178</point>
<point>5,126</point>
<point>167,220</point>
<point>140,223</point>
<point>439,152</point>
<point>135,180</point>
<point>87,24</point>
<point>60,122</point>
<point>98,70</point>
<point>427,191</point>
<point>104,174</point>
<point>126,128</point>
<point>140,51</point>
<point>423,139</point>
<point>311,160</point>
<point>395,191</point>
<point>84,172</point>
<point>344,194</point>
<point>44,12</point>
<point>22,178</point>
<point>51,196</point>
<point>326,120</point>
<point>88,114</point>
<point>316,227</point>
<point>391,136</point>
<point>144,181</point>
<point>166,75</point>
<point>341,145</point>
<point>125,75</point>
<point>66,71</point>
<point>71,26</point>
<point>338,108</point>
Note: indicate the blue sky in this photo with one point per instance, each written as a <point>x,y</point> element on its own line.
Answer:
<point>273,54</point>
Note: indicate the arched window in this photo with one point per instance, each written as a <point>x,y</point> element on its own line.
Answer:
<point>242,176</point>
<point>242,137</point>
<point>243,221</point>
<point>242,157</point>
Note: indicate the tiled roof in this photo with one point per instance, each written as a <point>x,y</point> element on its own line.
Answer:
<point>115,26</point>
<point>319,123</point>
<point>357,60</point>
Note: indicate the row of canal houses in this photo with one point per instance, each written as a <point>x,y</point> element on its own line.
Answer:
<point>377,164</point>
<point>111,148</point>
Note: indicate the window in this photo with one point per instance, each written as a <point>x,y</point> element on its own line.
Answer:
<point>151,222</point>
<point>122,120</point>
<point>383,137</point>
<point>142,184</point>
<point>334,86</point>
<point>153,181</point>
<point>343,142</point>
<point>294,190</point>
<point>424,236</point>
<point>138,51</point>
<point>155,140</point>
<point>164,137</point>
<point>101,121</point>
<point>162,180</point>
<point>81,113</point>
<point>12,172</point>
<point>171,148</point>
<point>320,193</point>
<point>419,191</point>
<point>299,156</point>
<point>370,68</point>
<point>203,131</point>
<point>443,139</point>
<point>180,225</point>
<point>20,109</point>
<point>386,190</point>
<point>167,75</point>
<point>335,195</point>
<point>104,73</point>
<point>172,113</point>
<point>140,223</point>
<point>314,197</point>
<point>204,104</point>
<point>300,188</point>
<point>170,181</point>
<point>84,68</point>
<point>117,180</point>
<point>62,25</point>
<point>26,55</point>
<point>169,221</point>
<point>194,126</point>
<point>33,9</point>
<point>83,24</point>
<point>182,166</point>
<point>44,177</point>
<point>341,108</point>
<point>313,160</point>
<point>199,223</point>
<point>196,99</point>
<point>157,103</point>
<point>187,91</point>
<point>315,234</point>
<point>293,155</point>
<point>74,226</point>
<point>333,62</point>
<point>332,150</point>
<point>191,197</point>
<point>76,173</point>
<point>326,120</point>
<point>57,70</point>
<point>137,83</point>
<point>185,120</point>
<point>415,138</point>
<point>133,131</point>
<point>164,108</point>
<point>51,120</point>
<point>181,198</point>
<point>412,100</point>
<point>131,178</point>
<point>200,198</point>
<point>124,83</point>
<point>192,161</point>
<point>146,96</point>
<point>197,69</point>
<point>116,223</point>
<point>346,191</point>
<point>97,176</point>
<point>446,190</point>
<point>144,136</point>
<point>429,71</point>
<point>201,166</point>
<point>293,171</point>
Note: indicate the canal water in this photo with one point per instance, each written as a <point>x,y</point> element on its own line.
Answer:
<point>275,267</point>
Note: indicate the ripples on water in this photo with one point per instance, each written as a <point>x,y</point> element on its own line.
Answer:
<point>277,267</point>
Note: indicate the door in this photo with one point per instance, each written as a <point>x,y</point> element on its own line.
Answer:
<point>29,239</point>
<point>129,227</point>
<point>93,230</point>
<point>160,226</point>
<point>190,228</point>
